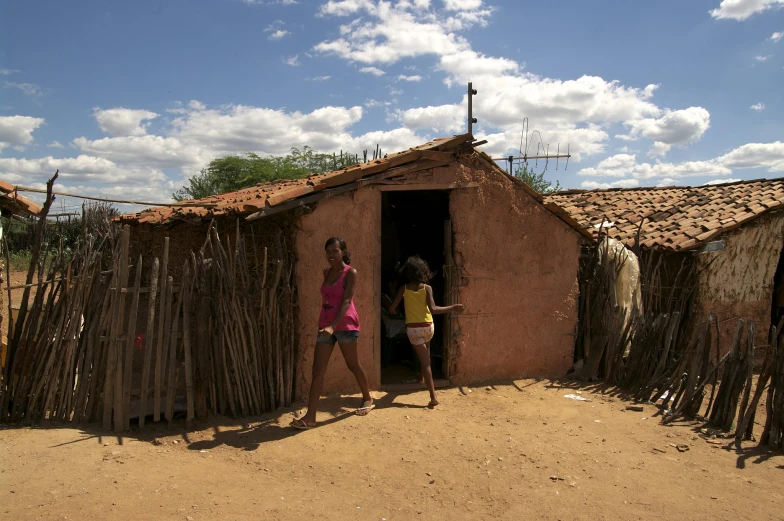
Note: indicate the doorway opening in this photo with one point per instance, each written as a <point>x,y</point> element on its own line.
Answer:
<point>412,223</point>
<point>777,306</point>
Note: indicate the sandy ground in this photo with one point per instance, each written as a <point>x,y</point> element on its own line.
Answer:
<point>517,451</point>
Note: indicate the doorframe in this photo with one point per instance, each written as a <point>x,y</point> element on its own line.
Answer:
<point>451,278</point>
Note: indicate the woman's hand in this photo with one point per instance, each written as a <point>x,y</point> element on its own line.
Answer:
<point>327,332</point>
<point>458,307</point>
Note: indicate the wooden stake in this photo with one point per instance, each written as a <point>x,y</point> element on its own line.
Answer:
<point>163,326</point>
<point>148,341</point>
<point>186,343</point>
<point>129,346</point>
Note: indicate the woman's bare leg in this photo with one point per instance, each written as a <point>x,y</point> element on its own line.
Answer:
<point>320,362</point>
<point>423,352</point>
<point>351,356</point>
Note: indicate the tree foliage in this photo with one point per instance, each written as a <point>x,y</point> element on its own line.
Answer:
<point>231,173</point>
<point>536,181</point>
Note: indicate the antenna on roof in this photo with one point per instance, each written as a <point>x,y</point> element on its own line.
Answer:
<point>525,144</point>
<point>471,119</point>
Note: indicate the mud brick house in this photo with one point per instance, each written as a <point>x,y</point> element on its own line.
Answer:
<point>734,233</point>
<point>494,244</point>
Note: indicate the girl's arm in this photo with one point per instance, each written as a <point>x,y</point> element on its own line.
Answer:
<point>438,310</point>
<point>395,303</point>
<point>348,294</point>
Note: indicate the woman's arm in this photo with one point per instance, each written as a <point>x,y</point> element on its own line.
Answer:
<point>395,303</point>
<point>348,294</point>
<point>438,310</point>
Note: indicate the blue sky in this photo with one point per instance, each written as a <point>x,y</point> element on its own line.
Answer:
<point>130,98</point>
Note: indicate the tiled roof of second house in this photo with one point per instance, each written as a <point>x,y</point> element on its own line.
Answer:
<point>675,218</point>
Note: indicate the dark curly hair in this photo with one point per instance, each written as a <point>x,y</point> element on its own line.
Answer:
<point>342,245</point>
<point>415,270</point>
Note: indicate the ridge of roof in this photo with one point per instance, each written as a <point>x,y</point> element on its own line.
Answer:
<point>266,199</point>
<point>571,191</point>
<point>672,218</point>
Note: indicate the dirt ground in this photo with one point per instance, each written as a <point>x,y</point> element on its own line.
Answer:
<point>513,451</point>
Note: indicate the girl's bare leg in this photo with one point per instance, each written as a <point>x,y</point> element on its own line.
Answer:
<point>351,356</point>
<point>320,362</point>
<point>423,352</point>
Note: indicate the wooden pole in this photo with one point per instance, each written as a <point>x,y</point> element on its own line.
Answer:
<point>129,346</point>
<point>163,324</point>
<point>186,343</point>
<point>148,341</point>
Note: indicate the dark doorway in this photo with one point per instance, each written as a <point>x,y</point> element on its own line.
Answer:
<point>412,223</point>
<point>777,306</point>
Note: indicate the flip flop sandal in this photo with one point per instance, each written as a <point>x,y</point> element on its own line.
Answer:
<point>300,425</point>
<point>362,411</point>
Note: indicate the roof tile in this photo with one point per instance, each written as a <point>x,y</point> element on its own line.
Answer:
<point>675,218</point>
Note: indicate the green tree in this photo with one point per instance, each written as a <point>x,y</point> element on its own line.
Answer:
<point>231,173</point>
<point>534,180</point>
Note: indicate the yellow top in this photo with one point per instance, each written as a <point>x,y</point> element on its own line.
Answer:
<point>417,310</point>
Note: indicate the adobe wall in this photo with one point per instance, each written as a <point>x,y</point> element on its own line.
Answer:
<point>356,218</point>
<point>520,288</point>
<point>519,266</point>
<point>737,282</point>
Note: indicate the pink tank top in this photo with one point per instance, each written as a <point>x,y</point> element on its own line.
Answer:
<point>331,299</point>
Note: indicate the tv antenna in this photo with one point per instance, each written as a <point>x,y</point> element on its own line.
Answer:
<point>526,141</point>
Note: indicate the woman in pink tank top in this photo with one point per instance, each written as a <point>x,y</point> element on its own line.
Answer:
<point>338,324</point>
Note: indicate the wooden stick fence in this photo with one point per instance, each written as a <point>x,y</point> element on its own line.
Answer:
<point>661,355</point>
<point>96,345</point>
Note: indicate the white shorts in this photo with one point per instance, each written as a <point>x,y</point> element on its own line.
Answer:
<point>421,335</point>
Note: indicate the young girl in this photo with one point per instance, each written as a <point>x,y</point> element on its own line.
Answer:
<point>417,297</point>
<point>338,324</point>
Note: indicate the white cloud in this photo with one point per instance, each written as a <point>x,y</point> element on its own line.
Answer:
<point>76,169</point>
<point>18,130</point>
<point>292,60</point>
<point>722,181</point>
<point>462,5</point>
<point>242,128</point>
<point>756,155</point>
<point>442,118</point>
<point>678,127</point>
<point>372,70</point>
<point>55,144</point>
<point>28,89</point>
<point>320,78</point>
<point>776,37</point>
<point>415,77</point>
<point>344,7</point>
<point>155,151</point>
<point>391,33</point>
<point>659,149</point>
<point>625,165</point>
<point>8,72</point>
<point>370,103</point>
<point>759,107</point>
<point>667,181</point>
<point>123,122</point>
<point>742,9</point>
<point>762,59</point>
<point>277,35</point>
<point>622,183</point>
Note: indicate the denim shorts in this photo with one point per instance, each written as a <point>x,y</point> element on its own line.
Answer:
<point>341,337</point>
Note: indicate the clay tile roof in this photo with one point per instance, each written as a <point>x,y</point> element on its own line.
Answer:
<point>674,218</point>
<point>16,204</point>
<point>268,195</point>
<point>268,198</point>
